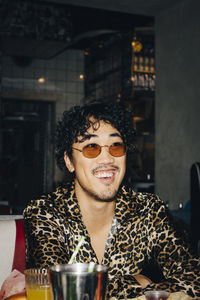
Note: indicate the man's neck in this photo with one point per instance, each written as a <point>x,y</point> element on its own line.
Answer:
<point>97,216</point>
<point>96,211</point>
<point>92,208</point>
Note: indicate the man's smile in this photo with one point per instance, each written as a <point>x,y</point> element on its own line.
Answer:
<point>105,174</point>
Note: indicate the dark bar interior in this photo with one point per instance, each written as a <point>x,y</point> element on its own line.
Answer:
<point>145,54</point>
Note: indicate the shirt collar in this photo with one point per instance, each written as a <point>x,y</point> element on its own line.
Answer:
<point>126,203</point>
<point>71,206</point>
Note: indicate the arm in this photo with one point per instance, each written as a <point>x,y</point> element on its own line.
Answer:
<point>160,243</point>
<point>142,280</point>
<point>45,239</point>
<point>179,267</point>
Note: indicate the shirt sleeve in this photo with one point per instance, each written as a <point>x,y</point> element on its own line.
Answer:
<point>45,239</point>
<point>123,287</point>
<point>180,268</point>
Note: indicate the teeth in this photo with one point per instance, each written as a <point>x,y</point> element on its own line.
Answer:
<point>103,175</point>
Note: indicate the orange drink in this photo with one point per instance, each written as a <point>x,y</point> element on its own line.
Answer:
<point>37,284</point>
<point>42,292</point>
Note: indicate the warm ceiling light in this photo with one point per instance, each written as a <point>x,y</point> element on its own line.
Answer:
<point>132,78</point>
<point>138,119</point>
<point>136,45</point>
<point>81,76</point>
<point>41,80</point>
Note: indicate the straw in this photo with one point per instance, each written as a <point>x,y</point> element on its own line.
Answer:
<point>91,267</point>
<point>99,287</point>
<point>76,250</point>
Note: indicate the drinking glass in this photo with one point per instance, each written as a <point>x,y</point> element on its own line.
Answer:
<point>156,295</point>
<point>78,282</point>
<point>37,284</point>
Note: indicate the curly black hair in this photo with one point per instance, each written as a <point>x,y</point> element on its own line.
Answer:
<point>77,121</point>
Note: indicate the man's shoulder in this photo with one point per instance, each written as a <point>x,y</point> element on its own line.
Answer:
<point>48,201</point>
<point>142,200</point>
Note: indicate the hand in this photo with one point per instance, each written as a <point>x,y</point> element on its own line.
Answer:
<point>13,284</point>
<point>142,280</point>
<point>20,296</point>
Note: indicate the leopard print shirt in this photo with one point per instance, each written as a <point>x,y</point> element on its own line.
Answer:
<point>141,230</point>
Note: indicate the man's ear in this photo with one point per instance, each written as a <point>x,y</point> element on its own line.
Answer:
<point>68,163</point>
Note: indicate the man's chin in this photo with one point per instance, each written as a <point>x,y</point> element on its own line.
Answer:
<point>106,194</point>
<point>105,197</point>
<point>97,198</point>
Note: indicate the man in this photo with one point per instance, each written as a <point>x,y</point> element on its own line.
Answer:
<point>122,229</point>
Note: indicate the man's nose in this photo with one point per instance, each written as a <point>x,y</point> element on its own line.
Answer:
<point>105,156</point>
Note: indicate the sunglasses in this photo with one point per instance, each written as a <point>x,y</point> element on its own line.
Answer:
<point>93,150</point>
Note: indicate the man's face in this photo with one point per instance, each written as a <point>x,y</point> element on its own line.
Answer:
<point>99,177</point>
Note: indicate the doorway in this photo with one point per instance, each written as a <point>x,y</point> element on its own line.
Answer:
<point>26,151</point>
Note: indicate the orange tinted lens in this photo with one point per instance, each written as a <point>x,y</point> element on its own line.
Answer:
<point>117,150</point>
<point>91,150</point>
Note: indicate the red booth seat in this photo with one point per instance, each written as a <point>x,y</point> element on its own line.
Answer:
<point>12,247</point>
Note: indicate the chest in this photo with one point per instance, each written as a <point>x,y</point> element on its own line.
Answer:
<point>123,248</point>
